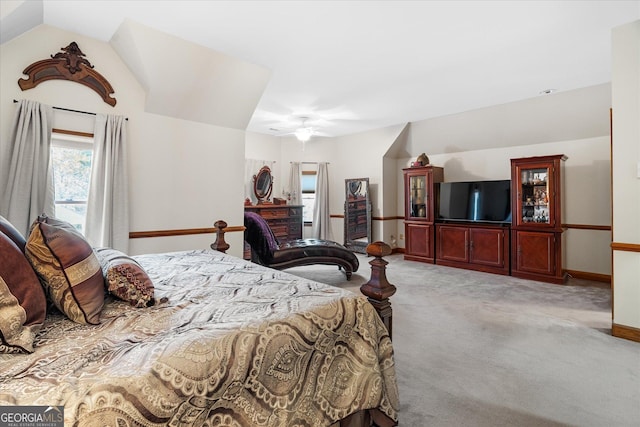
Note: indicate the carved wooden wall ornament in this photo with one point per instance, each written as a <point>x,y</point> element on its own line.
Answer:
<point>69,64</point>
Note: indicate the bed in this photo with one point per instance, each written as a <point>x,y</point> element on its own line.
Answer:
<point>225,342</point>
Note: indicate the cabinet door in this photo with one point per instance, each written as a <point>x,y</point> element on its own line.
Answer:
<point>535,195</point>
<point>417,196</point>
<point>487,246</point>
<point>535,252</point>
<point>419,238</point>
<point>453,243</point>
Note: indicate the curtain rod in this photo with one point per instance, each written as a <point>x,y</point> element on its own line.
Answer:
<point>311,163</point>
<point>73,111</point>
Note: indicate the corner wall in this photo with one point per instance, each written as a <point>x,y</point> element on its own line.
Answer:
<point>626,180</point>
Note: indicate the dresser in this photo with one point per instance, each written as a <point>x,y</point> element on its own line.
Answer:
<point>284,220</point>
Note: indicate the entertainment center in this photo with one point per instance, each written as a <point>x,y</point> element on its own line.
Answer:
<point>511,227</point>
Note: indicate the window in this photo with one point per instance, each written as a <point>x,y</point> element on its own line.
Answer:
<point>308,187</point>
<point>71,155</point>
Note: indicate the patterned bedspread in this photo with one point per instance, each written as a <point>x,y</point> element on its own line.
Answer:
<point>236,344</point>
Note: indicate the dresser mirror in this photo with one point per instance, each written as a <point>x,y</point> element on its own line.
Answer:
<point>357,215</point>
<point>263,184</point>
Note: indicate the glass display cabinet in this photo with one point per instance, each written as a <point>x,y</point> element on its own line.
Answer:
<point>419,213</point>
<point>536,231</point>
<point>417,202</point>
<point>534,202</point>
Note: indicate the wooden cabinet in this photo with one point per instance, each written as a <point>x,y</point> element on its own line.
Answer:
<point>419,196</point>
<point>284,220</point>
<point>536,208</point>
<point>476,247</point>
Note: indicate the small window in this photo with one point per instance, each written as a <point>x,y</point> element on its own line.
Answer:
<point>71,157</point>
<point>308,185</point>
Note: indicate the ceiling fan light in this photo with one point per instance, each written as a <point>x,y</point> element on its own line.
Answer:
<point>303,134</point>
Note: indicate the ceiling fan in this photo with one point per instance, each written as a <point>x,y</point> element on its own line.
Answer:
<point>303,133</point>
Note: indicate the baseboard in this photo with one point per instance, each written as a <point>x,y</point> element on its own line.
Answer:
<point>626,332</point>
<point>596,277</point>
<point>397,251</point>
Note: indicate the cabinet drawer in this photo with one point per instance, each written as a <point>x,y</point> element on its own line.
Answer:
<point>274,213</point>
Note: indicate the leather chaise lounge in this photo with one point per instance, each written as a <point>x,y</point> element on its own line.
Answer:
<point>267,251</point>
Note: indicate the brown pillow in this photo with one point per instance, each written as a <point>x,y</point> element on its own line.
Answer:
<point>7,228</point>
<point>68,268</point>
<point>23,305</point>
<point>125,278</point>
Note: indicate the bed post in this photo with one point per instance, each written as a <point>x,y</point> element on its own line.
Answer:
<point>220,244</point>
<point>378,289</point>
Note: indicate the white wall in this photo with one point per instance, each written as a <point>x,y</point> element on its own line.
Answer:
<point>626,174</point>
<point>183,174</point>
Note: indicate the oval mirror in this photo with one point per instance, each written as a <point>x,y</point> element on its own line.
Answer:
<point>263,184</point>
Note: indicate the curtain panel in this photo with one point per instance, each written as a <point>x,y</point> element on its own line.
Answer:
<point>26,175</point>
<point>321,218</point>
<point>295,187</point>
<point>107,222</point>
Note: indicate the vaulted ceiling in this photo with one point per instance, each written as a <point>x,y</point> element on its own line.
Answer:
<point>349,66</point>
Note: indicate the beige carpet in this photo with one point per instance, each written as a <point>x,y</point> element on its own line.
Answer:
<point>477,349</point>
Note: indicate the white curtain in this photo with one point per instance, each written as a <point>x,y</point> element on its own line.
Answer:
<point>251,168</point>
<point>321,218</point>
<point>26,175</point>
<point>107,222</point>
<point>295,188</point>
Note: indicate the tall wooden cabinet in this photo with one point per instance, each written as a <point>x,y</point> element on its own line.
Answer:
<point>536,228</point>
<point>419,213</point>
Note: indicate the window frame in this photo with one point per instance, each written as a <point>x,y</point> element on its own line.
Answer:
<point>315,174</point>
<point>71,140</point>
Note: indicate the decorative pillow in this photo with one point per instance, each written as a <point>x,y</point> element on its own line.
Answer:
<point>23,305</point>
<point>7,228</point>
<point>125,278</point>
<point>68,269</point>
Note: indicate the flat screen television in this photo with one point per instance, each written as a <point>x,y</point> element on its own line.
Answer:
<point>474,201</point>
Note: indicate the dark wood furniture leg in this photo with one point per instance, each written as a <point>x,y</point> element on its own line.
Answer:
<point>378,289</point>
<point>220,244</point>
